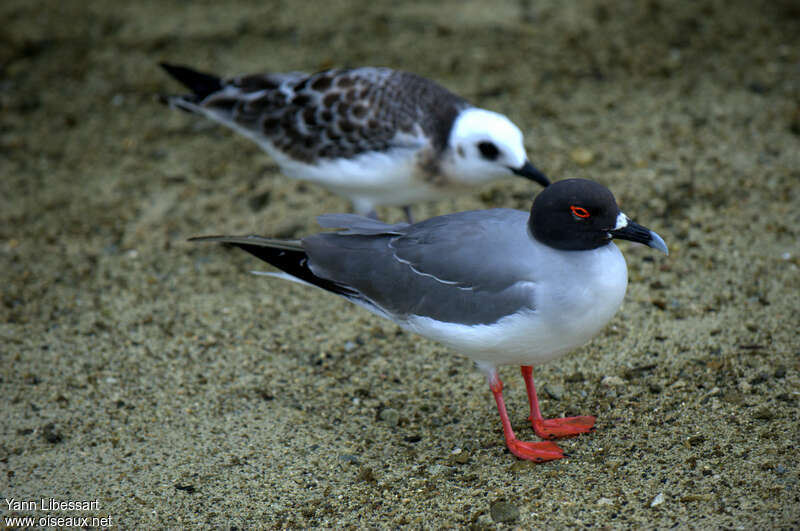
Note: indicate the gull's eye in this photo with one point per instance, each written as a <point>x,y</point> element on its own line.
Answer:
<point>579,212</point>
<point>488,150</point>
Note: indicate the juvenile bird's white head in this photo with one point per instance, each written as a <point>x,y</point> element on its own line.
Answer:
<point>484,146</point>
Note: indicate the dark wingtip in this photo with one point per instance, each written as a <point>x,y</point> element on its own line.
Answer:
<point>251,239</point>
<point>204,238</point>
<point>200,83</point>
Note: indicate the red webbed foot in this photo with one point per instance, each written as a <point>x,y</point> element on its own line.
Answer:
<point>562,427</point>
<point>552,428</point>
<point>538,452</point>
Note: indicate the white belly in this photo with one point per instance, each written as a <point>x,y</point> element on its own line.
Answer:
<point>369,180</point>
<point>573,301</point>
<point>390,178</point>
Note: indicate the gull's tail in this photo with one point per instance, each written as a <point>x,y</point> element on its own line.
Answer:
<point>286,255</point>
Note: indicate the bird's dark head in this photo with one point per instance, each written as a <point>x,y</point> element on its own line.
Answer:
<point>580,215</point>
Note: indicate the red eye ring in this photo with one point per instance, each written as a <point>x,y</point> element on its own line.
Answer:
<point>579,212</point>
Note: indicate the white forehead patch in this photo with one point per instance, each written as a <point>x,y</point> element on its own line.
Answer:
<point>622,221</point>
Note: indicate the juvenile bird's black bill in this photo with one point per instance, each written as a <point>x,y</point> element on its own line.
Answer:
<point>529,171</point>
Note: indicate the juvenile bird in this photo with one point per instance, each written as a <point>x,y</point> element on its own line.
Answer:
<point>374,135</point>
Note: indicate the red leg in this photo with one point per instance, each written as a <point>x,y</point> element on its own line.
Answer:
<point>533,451</point>
<point>552,428</point>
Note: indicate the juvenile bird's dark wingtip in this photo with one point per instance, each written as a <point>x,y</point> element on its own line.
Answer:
<point>200,83</point>
<point>205,238</point>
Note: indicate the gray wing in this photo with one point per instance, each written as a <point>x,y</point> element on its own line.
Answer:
<point>355,224</point>
<point>338,113</point>
<point>468,267</point>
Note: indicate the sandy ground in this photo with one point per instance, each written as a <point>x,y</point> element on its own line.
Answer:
<point>163,380</point>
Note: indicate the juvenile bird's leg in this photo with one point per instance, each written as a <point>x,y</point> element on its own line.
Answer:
<point>409,215</point>
<point>540,451</point>
<point>552,428</point>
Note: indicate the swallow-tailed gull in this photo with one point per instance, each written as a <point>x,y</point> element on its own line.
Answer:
<point>500,286</point>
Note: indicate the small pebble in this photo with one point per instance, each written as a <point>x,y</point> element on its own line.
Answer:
<point>51,434</point>
<point>582,156</point>
<point>733,397</point>
<point>612,381</point>
<point>483,522</point>
<point>764,413</point>
<point>365,473</point>
<point>502,511</point>
<point>574,377</point>
<point>554,391</point>
<point>696,440</point>
<point>461,458</point>
<point>605,501</point>
<point>436,470</point>
<point>658,500</point>
<point>390,416</point>
<point>785,397</point>
<point>349,458</point>
<point>523,467</point>
<point>678,384</point>
<point>673,60</point>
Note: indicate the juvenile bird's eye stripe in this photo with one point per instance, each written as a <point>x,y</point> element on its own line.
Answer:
<point>579,211</point>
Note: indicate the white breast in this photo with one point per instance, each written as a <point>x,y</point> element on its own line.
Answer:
<point>372,178</point>
<point>575,294</point>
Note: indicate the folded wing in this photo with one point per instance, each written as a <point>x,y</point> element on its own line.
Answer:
<point>452,268</point>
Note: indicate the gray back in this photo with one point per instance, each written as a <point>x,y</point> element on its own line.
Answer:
<point>453,268</point>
